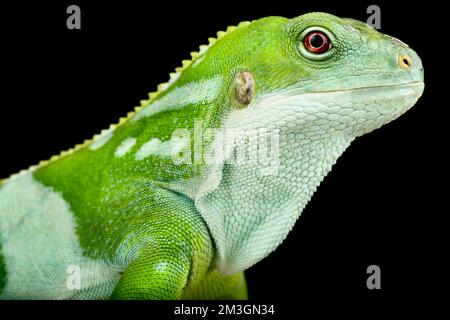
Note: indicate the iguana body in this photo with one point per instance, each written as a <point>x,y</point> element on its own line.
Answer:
<point>160,207</point>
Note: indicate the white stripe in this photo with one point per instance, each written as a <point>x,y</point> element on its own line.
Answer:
<point>37,230</point>
<point>200,92</point>
<point>147,149</point>
<point>156,147</point>
<point>102,139</point>
<point>124,147</point>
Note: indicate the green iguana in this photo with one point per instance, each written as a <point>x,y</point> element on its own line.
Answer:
<point>208,175</point>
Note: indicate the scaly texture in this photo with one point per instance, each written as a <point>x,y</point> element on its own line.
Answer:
<point>209,175</point>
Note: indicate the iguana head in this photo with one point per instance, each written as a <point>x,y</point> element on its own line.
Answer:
<point>353,77</point>
<point>312,84</point>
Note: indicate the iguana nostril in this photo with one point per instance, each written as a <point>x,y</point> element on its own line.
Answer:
<point>404,61</point>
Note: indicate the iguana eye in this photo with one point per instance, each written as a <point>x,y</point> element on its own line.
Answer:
<point>317,42</point>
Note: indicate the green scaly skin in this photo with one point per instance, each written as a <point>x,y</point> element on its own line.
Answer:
<point>140,225</point>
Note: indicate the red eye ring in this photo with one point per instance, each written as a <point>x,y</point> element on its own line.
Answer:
<point>317,42</point>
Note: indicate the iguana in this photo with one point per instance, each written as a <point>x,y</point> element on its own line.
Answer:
<point>207,176</point>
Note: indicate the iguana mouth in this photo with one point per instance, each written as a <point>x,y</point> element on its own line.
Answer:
<point>355,95</point>
<point>386,86</point>
<point>407,84</point>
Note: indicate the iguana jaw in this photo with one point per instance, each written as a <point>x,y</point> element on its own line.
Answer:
<point>354,111</point>
<point>314,130</point>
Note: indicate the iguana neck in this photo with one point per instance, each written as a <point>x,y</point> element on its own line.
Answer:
<point>245,231</point>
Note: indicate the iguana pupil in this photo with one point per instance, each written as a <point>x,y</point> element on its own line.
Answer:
<point>316,42</point>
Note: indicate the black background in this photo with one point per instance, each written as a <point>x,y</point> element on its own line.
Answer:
<point>379,205</point>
